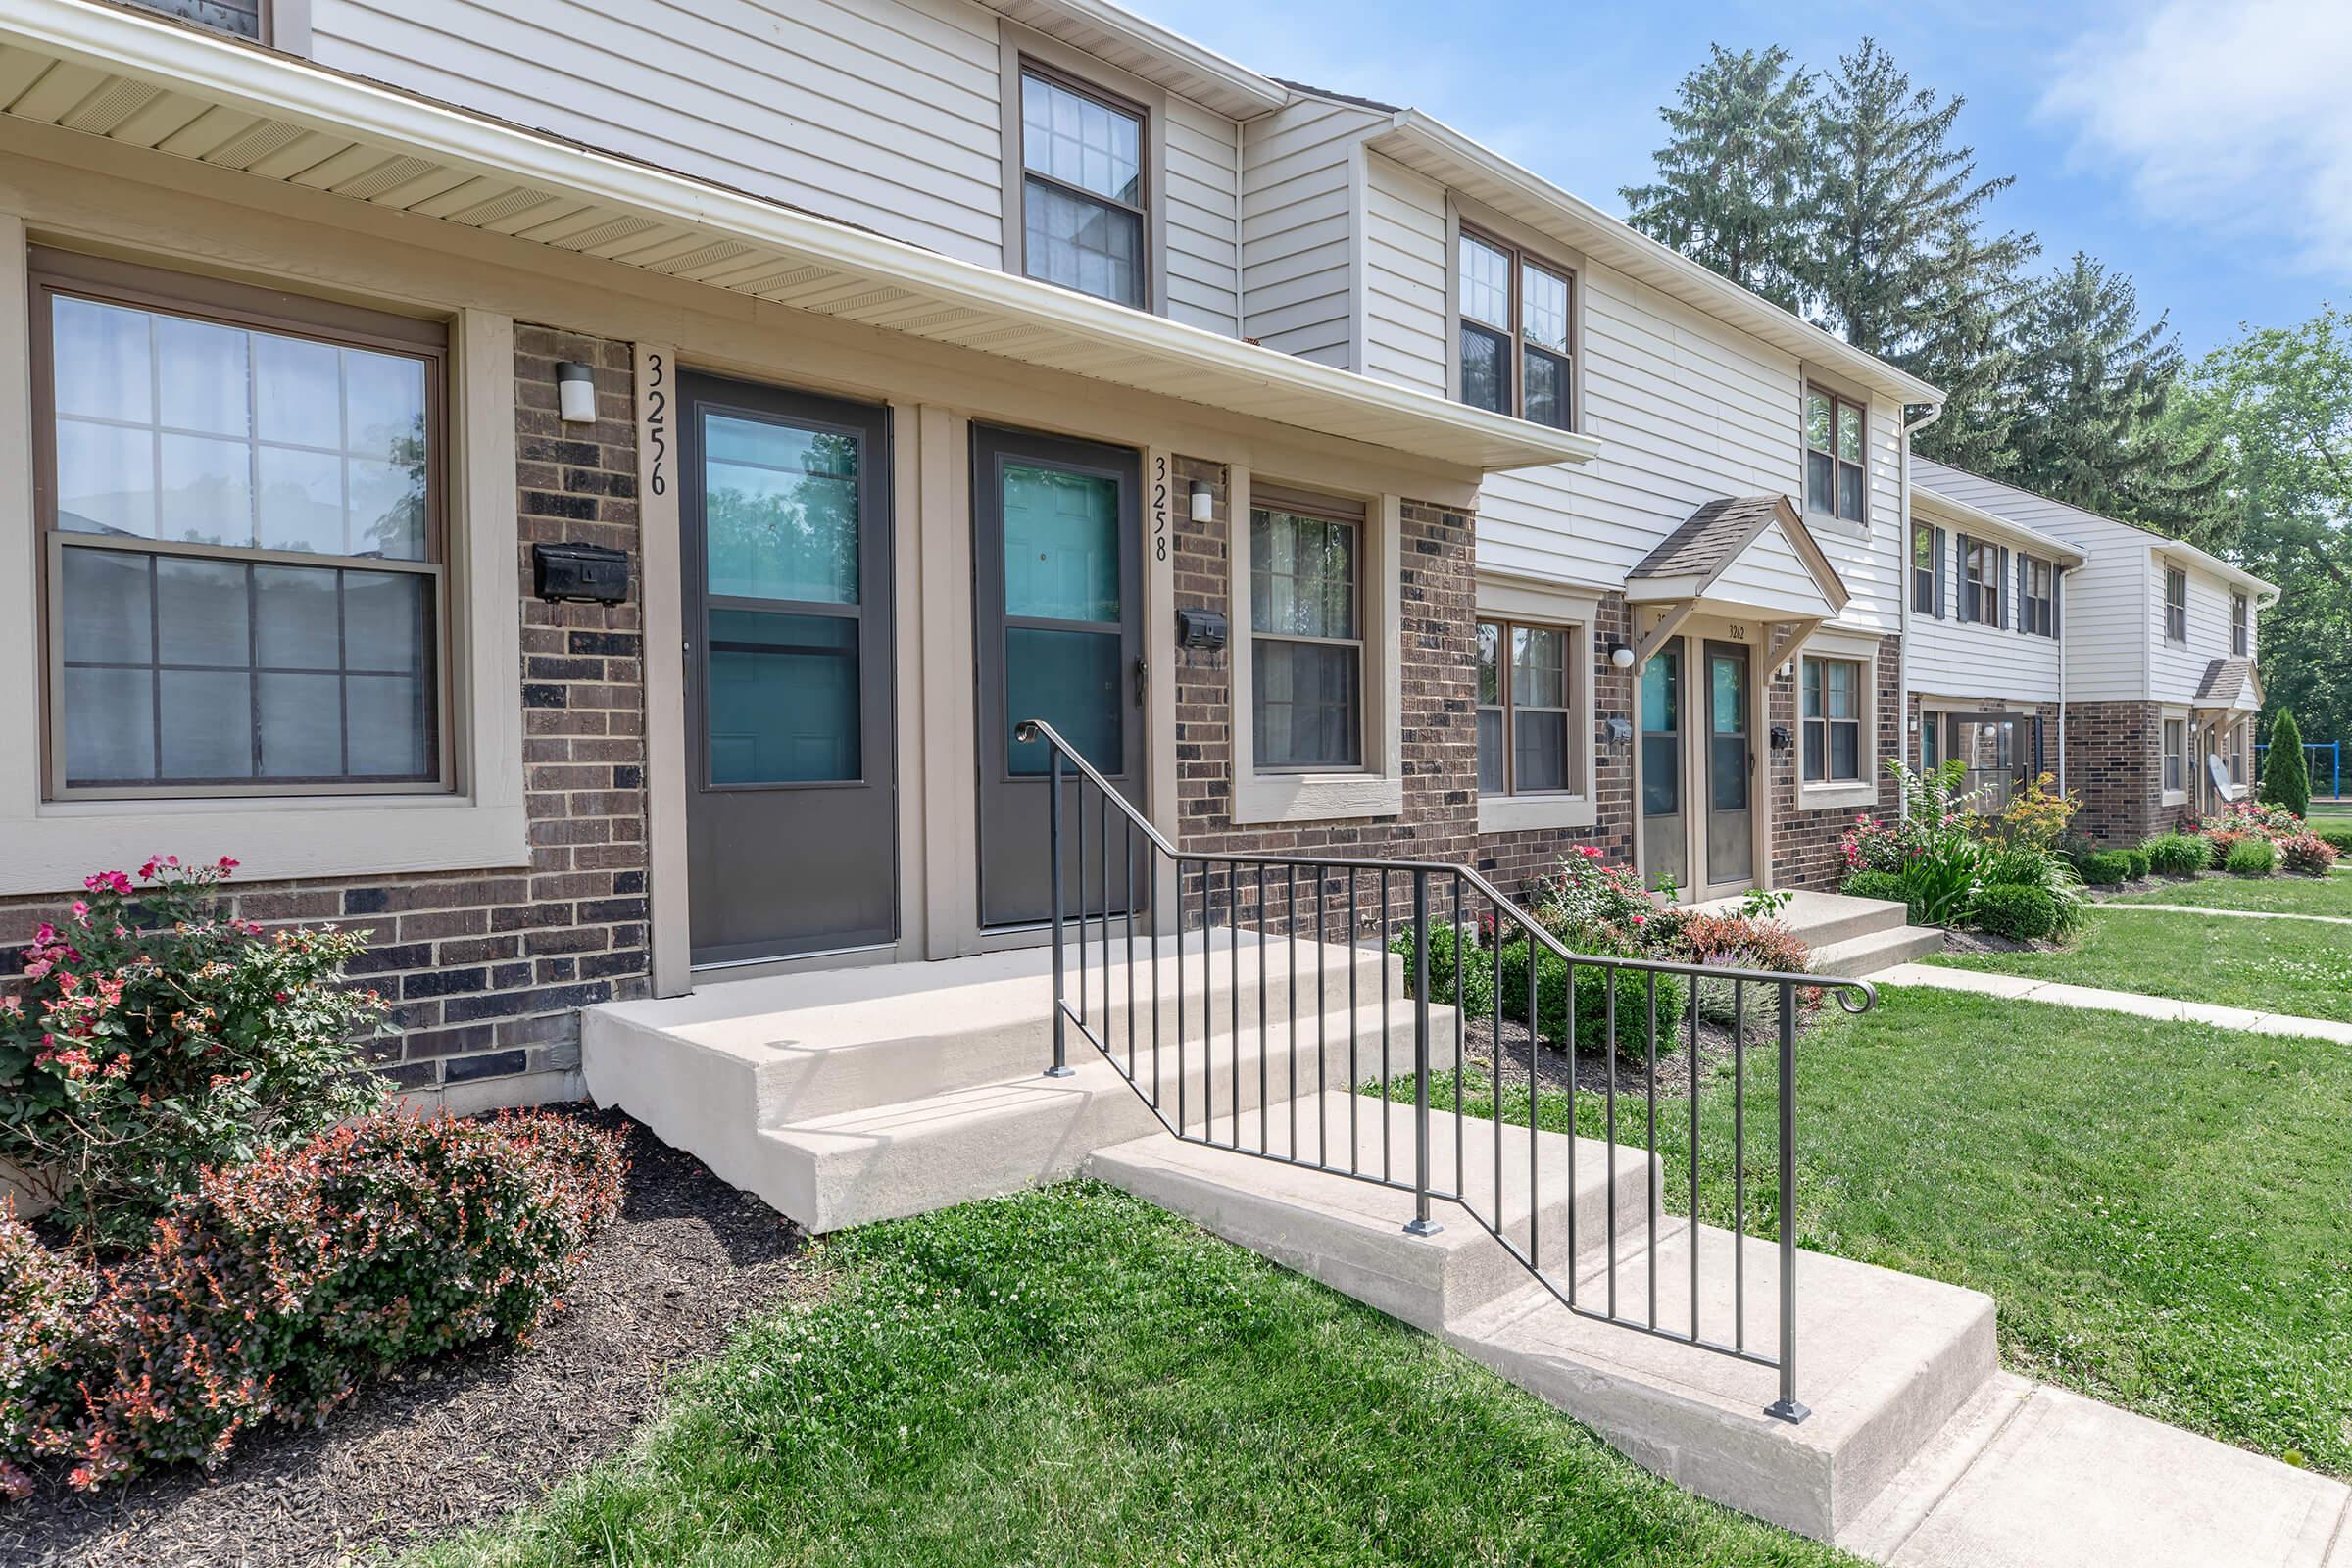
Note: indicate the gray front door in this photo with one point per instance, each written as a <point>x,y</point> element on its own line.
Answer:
<point>1731,836</point>
<point>1665,829</point>
<point>791,825</point>
<point>1057,589</point>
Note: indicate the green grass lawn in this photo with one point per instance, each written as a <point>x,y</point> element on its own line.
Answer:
<point>1073,1376</point>
<point>2279,894</point>
<point>2303,968</point>
<point>2158,1208</point>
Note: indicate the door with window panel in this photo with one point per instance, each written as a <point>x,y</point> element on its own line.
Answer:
<point>1665,839</point>
<point>241,499</point>
<point>1057,592</point>
<point>791,820</point>
<point>1731,761</point>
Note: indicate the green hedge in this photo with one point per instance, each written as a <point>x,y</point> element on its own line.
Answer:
<point>1882,885</point>
<point>2139,862</point>
<point>2020,914</point>
<point>2177,854</point>
<point>2340,837</point>
<point>2105,868</point>
<point>1551,990</point>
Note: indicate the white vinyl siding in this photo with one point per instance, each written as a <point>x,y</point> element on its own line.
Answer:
<point>2177,668</point>
<point>1966,663</point>
<point>1202,225</point>
<point>884,115</point>
<point>1406,271</point>
<point>1298,206</point>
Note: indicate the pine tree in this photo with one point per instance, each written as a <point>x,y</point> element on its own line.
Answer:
<point>1899,263</point>
<point>2286,775</point>
<point>1734,177</point>
<point>2091,388</point>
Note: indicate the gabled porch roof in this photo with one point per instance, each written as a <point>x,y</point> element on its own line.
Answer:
<point>1745,555</point>
<point>2229,685</point>
<point>144,80</point>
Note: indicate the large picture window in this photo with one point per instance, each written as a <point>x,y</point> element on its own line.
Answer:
<point>243,534</point>
<point>1306,655</point>
<point>1836,485</point>
<point>1517,332</point>
<point>1526,703</point>
<point>1083,190</point>
<point>1833,720</point>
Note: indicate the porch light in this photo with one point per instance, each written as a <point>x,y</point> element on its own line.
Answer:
<point>1204,502</point>
<point>575,393</point>
<point>1621,655</point>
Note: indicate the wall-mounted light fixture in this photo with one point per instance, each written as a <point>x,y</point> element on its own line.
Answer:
<point>1621,655</point>
<point>575,393</point>
<point>1204,501</point>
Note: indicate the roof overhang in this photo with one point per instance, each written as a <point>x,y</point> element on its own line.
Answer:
<point>2181,553</point>
<point>145,80</point>
<point>1142,48</point>
<point>1992,526</point>
<point>1453,160</point>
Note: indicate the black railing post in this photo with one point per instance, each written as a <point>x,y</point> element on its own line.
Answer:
<point>1061,1067</point>
<point>1422,1224</point>
<point>1785,1407</point>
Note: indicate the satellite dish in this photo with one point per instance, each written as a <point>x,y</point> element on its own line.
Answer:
<point>2218,771</point>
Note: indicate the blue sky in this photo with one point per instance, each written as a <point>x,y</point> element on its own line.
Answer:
<point>2203,146</point>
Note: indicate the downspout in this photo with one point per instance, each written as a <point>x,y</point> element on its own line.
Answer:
<point>1902,597</point>
<point>2063,572</point>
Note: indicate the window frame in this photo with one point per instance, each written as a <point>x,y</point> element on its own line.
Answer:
<point>1975,587</point>
<point>1927,583</point>
<point>2241,625</point>
<point>2037,614</point>
<point>1806,722</point>
<point>1026,62</point>
<point>1305,505</point>
<point>1519,258</point>
<point>2173,750</point>
<point>265,30</point>
<point>133,285</point>
<point>2176,611</point>
<point>1574,678</point>
<point>1839,403</point>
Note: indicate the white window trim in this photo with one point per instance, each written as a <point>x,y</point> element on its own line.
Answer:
<point>1377,789</point>
<point>2188,755</point>
<point>49,845</point>
<point>1860,648</point>
<point>1527,601</point>
<point>1814,377</point>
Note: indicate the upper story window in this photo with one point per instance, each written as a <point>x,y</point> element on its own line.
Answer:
<point>1306,649</point>
<point>2037,601</point>
<point>1833,720</point>
<point>243,18</point>
<point>1517,348</point>
<point>243,539</point>
<point>1083,195</point>
<point>1526,691</point>
<point>1926,569</point>
<point>2240,632</point>
<point>2176,605</point>
<point>1980,581</point>
<point>1835,480</point>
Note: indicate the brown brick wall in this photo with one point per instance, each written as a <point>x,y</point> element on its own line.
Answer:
<point>1440,820</point>
<point>1511,859</point>
<point>1805,845</point>
<point>489,969</point>
<point>2114,764</point>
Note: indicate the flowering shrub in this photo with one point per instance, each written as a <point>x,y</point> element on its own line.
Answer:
<point>2035,815</point>
<point>272,1291</point>
<point>2257,817</point>
<point>2217,846</point>
<point>154,1037</point>
<point>1593,906</point>
<point>1934,848</point>
<point>2307,854</point>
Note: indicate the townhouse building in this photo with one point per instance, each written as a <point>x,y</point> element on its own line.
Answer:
<point>589,493</point>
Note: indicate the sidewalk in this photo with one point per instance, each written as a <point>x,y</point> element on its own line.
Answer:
<point>2236,914</point>
<point>2060,995</point>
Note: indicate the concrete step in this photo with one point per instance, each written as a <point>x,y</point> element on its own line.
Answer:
<point>1825,919</point>
<point>1884,1361</point>
<point>1879,949</point>
<point>1349,1233</point>
<point>800,1045</point>
<point>927,1151</point>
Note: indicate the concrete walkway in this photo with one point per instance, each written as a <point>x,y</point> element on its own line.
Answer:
<point>2236,914</point>
<point>2060,995</point>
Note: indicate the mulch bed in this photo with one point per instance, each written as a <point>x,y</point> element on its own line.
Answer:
<point>1590,1070</point>
<point>461,1440</point>
<point>1957,940</point>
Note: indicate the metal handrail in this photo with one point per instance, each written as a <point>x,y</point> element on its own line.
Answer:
<point>1097,1026</point>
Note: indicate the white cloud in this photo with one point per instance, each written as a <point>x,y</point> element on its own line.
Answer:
<point>2237,119</point>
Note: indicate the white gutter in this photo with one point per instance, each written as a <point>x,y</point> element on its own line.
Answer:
<point>220,70</point>
<point>1997,526</point>
<point>1171,49</point>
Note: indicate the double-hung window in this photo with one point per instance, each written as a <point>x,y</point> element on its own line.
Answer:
<point>2176,605</point>
<point>1833,720</point>
<point>1083,190</point>
<point>240,499</point>
<point>2037,610</point>
<point>1980,582</point>
<point>2240,630</point>
<point>2176,748</point>
<point>1526,691</point>
<point>1517,348</point>
<point>241,17</point>
<point>1926,569</point>
<point>1836,485</point>
<point>1307,653</point>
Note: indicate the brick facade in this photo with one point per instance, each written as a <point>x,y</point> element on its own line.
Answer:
<point>1511,859</point>
<point>1440,696</point>
<point>489,969</point>
<point>1805,848</point>
<point>2115,764</point>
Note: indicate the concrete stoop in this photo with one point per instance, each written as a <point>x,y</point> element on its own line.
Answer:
<point>1848,936</point>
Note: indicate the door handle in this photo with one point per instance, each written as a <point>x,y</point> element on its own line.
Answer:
<point>1143,679</point>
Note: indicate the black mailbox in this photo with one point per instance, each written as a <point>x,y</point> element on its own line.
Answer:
<point>596,574</point>
<point>1781,738</point>
<point>1200,628</point>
